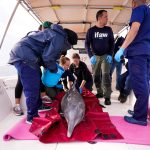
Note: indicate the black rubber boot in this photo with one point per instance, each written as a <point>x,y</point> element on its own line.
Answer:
<point>107,101</point>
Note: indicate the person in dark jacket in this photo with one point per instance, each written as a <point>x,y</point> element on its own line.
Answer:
<point>32,51</point>
<point>80,70</point>
<point>19,88</point>
<point>99,44</point>
<point>124,85</point>
<point>117,65</point>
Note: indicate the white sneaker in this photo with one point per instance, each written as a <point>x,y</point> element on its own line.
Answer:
<point>29,122</point>
<point>18,110</point>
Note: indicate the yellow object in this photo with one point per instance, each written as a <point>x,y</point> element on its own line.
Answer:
<point>55,7</point>
<point>118,8</point>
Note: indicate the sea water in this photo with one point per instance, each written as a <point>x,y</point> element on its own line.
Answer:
<point>7,70</point>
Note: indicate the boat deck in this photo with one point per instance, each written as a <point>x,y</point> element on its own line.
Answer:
<point>9,119</point>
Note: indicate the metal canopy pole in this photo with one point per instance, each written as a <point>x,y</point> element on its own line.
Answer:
<point>9,22</point>
<point>29,10</point>
<point>54,11</point>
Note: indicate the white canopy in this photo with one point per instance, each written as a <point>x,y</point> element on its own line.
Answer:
<point>79,15</point>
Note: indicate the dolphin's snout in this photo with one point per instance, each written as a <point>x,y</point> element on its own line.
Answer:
<point>71,126</point>
<point>69,134</point>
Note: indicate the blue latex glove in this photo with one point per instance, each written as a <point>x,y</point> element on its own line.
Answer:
<point>59,86</point>
<point>109,59</point>
<point>80,90</point>
<point>119,54</point>
<point>93,60</point>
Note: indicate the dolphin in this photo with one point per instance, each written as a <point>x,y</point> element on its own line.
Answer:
<point>73,109</point>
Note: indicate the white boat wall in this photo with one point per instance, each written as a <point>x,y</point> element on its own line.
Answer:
<point>7,97</point>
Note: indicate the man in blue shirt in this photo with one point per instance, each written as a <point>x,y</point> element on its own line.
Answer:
<point>137,50</point>
<point>99,44</point>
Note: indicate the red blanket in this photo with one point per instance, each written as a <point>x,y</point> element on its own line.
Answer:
<point>96,124</point>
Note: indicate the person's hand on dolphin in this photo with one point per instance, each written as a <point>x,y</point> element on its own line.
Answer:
<point>80,90</point>
<point>119,54</point>
<point>66,90</point>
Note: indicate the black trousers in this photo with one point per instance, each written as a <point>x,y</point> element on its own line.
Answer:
<point>19,87</point>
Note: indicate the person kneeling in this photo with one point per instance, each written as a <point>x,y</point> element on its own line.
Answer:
<point>63,84</point>
<point>80,70</point>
